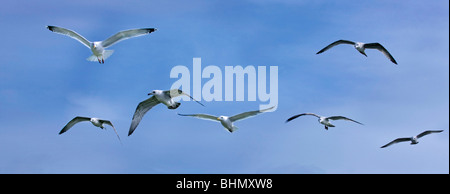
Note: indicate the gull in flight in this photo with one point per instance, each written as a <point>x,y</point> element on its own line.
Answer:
<point>95,121</point>
<point>226,121</point>
<point>361,47</point>
<point>98,47</point>
<point>324,120</point>
<point>159,96</point>
<point>412,139</point>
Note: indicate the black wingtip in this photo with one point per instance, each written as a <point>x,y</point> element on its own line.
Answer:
<point>50,28</point>
<point>150,30</point>
<point>130,132</point>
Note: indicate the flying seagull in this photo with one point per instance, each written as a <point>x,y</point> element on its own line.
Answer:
<point>226,121</point>
<point>98,47</point>
<point>159,96</point>
<point>324,120</point>
<point>361,47</point>
<point>412,139</point>
<point>95,121</point>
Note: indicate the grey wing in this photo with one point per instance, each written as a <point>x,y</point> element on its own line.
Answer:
<point>202,116</point>
<point>397,141</point>
<point>334,44</point>
<point>177,92</point>
<point>299,115</point>
<point>72,122</point>
<point>126,34</point>
<point>141,109</point>
<point>110,124</point>
<point>428,132</point>
<point>248,114</point>
<point>71,34</point>
<point>343,118</point>
<point>380,47</point>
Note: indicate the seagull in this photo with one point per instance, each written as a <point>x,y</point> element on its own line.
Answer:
<point>324,120</point>
<point>412,139</point>
<point>361,47</point>
<point>226,121</point>
<point>95,121</point>
<point>159,96</point>
<point>98,47</point>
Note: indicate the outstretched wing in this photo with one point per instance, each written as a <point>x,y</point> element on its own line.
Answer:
<point>397,141</point>
<point>380,47</point>
<point>299,115</point>
<point>343,118</point>
<point>177,92</point>
<point>71,34</point>
<point>73,122</point>
<point>141,109</point>
<point>202,116</point>
<point>126,34</point>
<point>428,132</point>
<point>110,124</point>
<point>248,114</point>
<point>334,44</point>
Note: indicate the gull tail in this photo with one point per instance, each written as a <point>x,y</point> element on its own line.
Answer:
<point>105,55</point>
<point>177,104</point>
<point>232,130</point>
<point>92,58</point>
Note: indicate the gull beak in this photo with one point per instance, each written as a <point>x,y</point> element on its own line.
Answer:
<point>218,118</point>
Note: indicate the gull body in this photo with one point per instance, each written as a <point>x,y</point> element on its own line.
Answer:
<point>361,47</point>
<point>323,120</point>
<point>413,139</point>
<point>158,96</point>
<point>167,100</point>
<point>228,121</point>
<point>95,121</point>
<point>98,47</point>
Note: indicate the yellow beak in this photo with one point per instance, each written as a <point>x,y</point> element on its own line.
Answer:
<point>218,118</point>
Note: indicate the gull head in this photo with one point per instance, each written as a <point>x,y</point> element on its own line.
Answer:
<point>154,92</point>
<point>221,118</point>
<point>96,45</point>
<point>414,140</point>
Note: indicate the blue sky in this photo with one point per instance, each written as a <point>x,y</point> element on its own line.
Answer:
<point>45,81</point>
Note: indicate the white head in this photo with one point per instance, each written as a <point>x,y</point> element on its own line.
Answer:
<point>222,118</point>
<point>95,45</point>
<point>359,44</point>
<point>154,92</point>
<point>414,140</point>
<point>360,47</point>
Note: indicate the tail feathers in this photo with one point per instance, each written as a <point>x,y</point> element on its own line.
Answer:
<point>232,130</point>
<point>105,55</point>
<point>177,104</point>
<point>92,58</point>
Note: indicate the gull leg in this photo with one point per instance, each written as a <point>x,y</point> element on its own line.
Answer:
<point>99,60</point>
<point>103,61</point>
